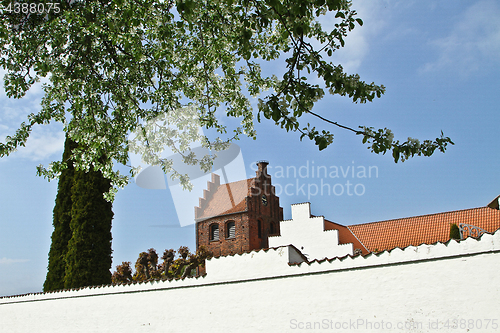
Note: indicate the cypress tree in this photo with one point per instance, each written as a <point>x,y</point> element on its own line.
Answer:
<point>454,231</point>
<point>88,260</point>
<point>80,252</point>
<point>61,221</point>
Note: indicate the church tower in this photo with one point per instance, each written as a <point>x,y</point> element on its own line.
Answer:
<point>240,216</point>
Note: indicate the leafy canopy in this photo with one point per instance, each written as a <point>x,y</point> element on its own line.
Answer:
<point>114,66</point>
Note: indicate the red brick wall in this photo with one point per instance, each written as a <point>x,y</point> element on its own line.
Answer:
<point>225,246</point>
<point>246,223</point>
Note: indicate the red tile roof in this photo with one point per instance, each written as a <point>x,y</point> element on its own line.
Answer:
<point>345,235</point>
<point>428,229</point>
<point>227,199</point>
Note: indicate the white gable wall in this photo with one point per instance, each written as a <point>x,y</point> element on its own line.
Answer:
<point>307,234</point>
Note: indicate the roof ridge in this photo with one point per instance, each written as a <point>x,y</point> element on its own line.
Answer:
<point>232,192</point>
<point>410,217</point>
<point>342,225</point>
<point>371,253</point>
<point>237,181</point>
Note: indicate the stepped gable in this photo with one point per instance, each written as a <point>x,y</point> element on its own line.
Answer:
<point>238,216</point>
<point>425,229</point>
<point>223,199</point>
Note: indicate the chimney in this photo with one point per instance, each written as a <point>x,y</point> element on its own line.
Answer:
<point>262,170</point>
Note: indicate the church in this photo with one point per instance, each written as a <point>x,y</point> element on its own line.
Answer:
<point>240,216</point>
<point>243,216</point>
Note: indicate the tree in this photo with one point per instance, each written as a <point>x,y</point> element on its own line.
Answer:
<point>181,262</point>
<point>61,221</point>
<point>123,273</point>
<point>80,252</point>
<point>168,259</point>
<point>454,231</point>
<point>88,260</point>
<point>113,66</point>
<point>147,267</point>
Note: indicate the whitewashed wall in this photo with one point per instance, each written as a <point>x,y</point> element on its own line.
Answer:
<point>410,290</point>
<point>308,235</point>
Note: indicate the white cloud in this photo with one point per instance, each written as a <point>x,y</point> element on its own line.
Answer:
<point>374,14</point>
<point>473,44</point>
<point>15,111</point>
<point>44,141</point>
<point>42,144</point>
<point>7,261</point>
<point>2,91</point>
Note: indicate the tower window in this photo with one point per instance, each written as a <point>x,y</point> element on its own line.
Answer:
<point>271,228</point>
<point>259,229</point>
<point>230,229</point>
<point>214,232</point>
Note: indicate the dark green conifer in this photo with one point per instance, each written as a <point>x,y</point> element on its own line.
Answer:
<point>454,231</point>
<point>88,260</point>
<point>61,221</point>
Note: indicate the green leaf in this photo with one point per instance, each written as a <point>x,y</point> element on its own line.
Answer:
<point>323,144</point>
<point>395,154</point>
<point>276,115</point>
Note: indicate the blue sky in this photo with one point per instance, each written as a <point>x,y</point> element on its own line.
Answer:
<point>440,63</point>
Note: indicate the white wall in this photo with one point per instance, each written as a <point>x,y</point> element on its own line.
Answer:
<point>261,292</point>
<point>308,235</point>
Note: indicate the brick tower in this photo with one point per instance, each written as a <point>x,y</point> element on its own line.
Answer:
<point>238,217</point>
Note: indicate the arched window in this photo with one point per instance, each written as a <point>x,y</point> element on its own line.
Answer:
<point>230,229</point>
<point>259,229</point>
<point>214,232</point>
<point>271,228</point>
